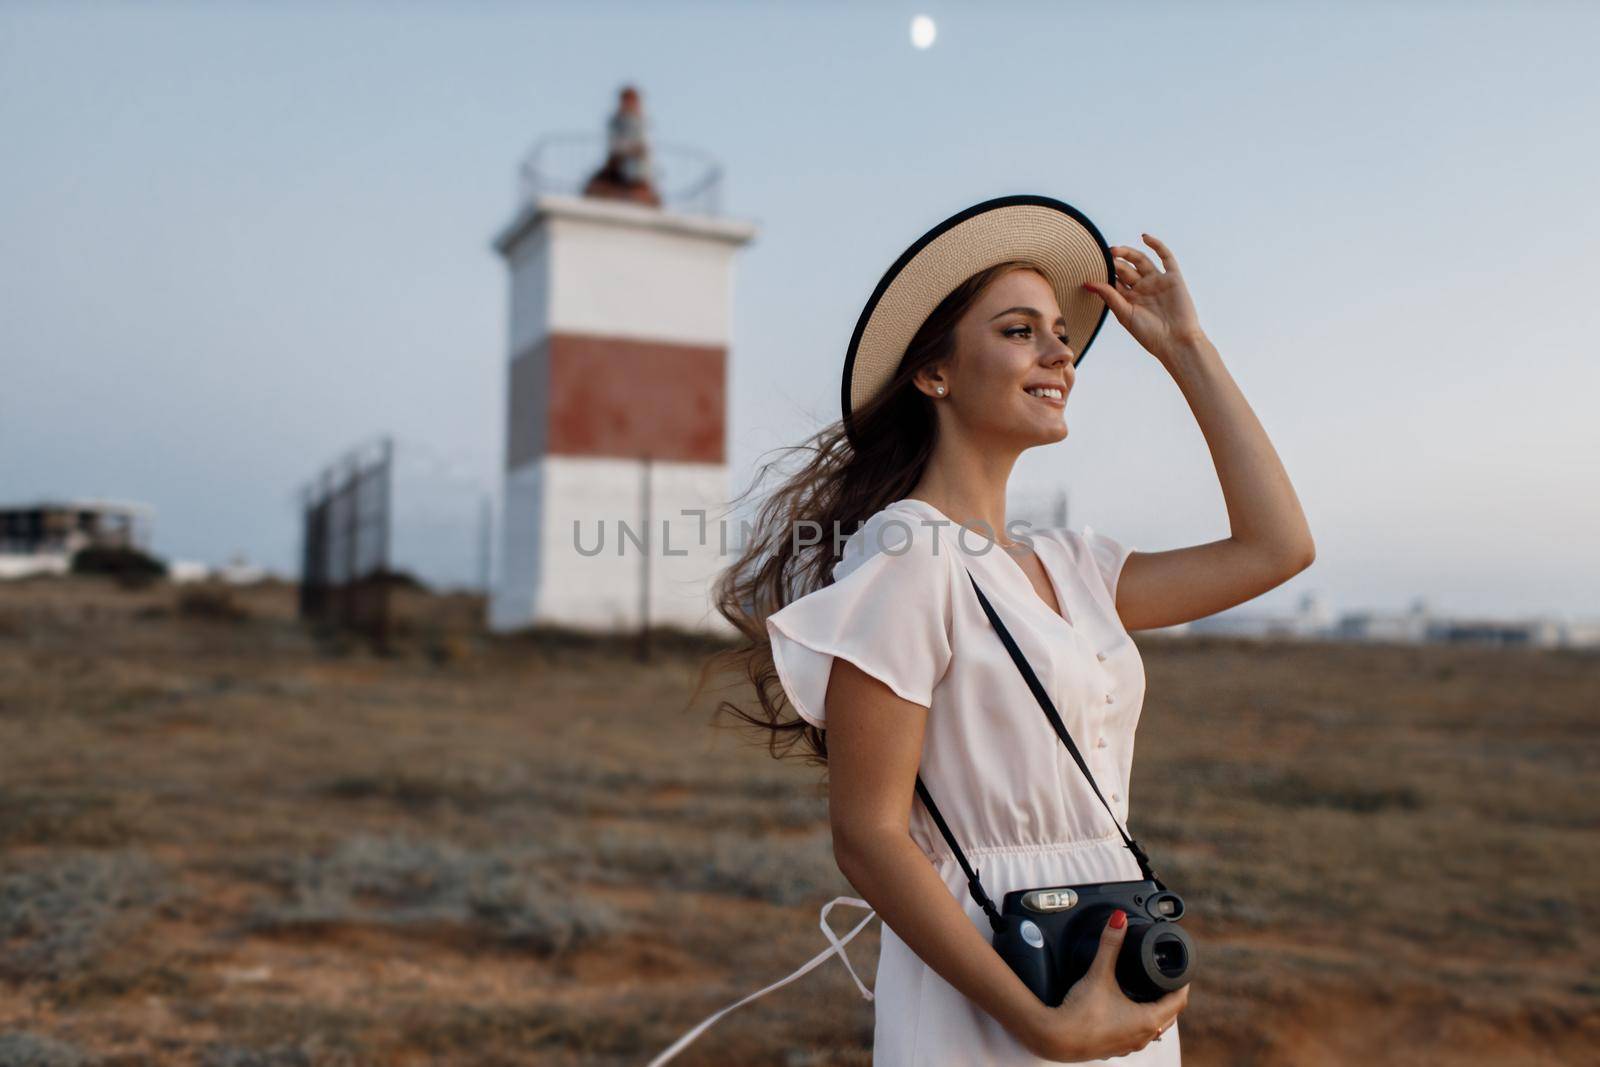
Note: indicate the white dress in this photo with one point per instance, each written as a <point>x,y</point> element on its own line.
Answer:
<point>902,608</point>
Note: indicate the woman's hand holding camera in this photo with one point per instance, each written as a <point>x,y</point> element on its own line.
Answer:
<point>1096,1019</point>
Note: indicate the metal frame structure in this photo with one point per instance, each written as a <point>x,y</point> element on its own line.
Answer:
<point>543,170</point>
<point>346,525</point>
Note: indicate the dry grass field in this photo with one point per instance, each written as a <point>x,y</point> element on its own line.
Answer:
<point>230,842</point>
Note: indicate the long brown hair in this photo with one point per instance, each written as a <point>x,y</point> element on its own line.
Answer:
<point>838,486</point>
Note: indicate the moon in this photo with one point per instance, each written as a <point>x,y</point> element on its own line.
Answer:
<point>923,31</point>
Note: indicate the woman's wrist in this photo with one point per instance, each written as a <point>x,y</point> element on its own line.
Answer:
<point>1038,1028</point>
<point>1189,354</point>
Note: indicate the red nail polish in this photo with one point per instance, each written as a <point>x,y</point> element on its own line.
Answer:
<point>1119,919</point>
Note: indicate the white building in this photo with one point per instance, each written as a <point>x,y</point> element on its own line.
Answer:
<point>620,315</point>
<point>1410,625</point>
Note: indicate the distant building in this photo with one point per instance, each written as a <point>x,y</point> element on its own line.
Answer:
<point>183,571</point>
<point>1581,633</point>
<point>240,571</point>
<point>1416,625</point>
<point>1410,625</point>
<point>42,537</point>
<point>1534,633</point>
<point>64,526</point>
<point>1419,624</point>
<point>616,469</point>
<point>1310,620</point>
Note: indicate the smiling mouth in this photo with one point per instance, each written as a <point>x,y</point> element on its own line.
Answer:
<point>1053,397</point>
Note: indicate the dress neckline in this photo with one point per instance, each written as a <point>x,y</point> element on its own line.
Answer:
<point>1063,616</point>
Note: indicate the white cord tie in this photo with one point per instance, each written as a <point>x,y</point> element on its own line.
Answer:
<point>837,945</point>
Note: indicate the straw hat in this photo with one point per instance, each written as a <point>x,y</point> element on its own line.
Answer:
<point>1057,236</point>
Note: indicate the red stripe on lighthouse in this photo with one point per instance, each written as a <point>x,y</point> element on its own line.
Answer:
<point>623,397</point>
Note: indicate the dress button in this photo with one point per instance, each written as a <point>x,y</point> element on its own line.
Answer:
<point>1116,796</point>
<point>1101,656</point>
<point>1100,743</point>
<point>1108,698</point>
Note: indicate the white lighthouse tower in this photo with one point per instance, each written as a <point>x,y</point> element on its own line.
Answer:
<point>616,439</point>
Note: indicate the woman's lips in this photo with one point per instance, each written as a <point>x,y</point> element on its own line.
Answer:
<point>1055,402</point>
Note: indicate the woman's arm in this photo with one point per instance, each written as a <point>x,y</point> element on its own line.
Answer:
<point>1270,541</point>
<point>874,748</point>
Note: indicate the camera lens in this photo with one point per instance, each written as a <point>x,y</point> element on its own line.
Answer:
<point>1157,957</point>
<point>1170,957</point>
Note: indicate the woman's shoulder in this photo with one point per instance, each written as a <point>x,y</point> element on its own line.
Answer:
<point>1092,552</point>
<point>887,610</point>
<point>1079,543</point>
<point>900,529</point>
<point>1071,541</point>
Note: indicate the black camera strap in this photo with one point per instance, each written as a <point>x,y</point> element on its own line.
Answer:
<point>973,885</point>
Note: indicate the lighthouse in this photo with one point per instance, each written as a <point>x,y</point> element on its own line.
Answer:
<point>616,471</point>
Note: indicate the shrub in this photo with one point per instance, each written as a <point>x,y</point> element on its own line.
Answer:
<point>60,915</point>
<point>22,1049</point>
<point>398,882</point>
<point>129,566</point>
<point>210,602</point>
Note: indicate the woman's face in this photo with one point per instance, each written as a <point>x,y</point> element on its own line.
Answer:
<point>1012,340</point>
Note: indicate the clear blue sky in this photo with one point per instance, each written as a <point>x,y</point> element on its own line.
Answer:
<point>235,239</point>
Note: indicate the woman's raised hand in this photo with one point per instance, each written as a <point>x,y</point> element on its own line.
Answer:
<point>1096,1020</point>
<point>1152,304</point>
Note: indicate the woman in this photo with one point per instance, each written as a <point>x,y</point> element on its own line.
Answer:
<point>966,356</point>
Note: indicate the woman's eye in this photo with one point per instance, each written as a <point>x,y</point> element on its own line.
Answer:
<point>1012,332</point>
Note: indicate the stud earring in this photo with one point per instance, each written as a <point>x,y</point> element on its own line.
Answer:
<point>939,389</point>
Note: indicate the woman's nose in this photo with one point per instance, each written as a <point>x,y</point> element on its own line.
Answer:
<point>1068,361</point>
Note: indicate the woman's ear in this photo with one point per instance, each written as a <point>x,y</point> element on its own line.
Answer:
<point>931,381</point>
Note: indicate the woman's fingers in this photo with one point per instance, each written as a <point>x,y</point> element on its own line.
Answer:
<point>1159,1014</point>
<point>1143,262</point>
<point>1168,260</point>
<point>1127,273</point>
<point>1115,300</point>
<point>1154,1018</point>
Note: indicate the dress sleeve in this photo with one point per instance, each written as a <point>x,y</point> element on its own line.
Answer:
<point>1108,556</point>
<point>889,615</point>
